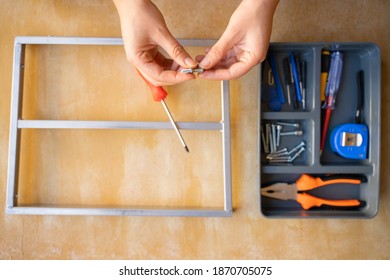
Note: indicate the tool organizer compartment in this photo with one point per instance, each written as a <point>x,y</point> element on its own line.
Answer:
<point>301,145</point>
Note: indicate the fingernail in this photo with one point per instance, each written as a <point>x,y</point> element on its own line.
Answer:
<point>190,62</point>
<point>205,62</point>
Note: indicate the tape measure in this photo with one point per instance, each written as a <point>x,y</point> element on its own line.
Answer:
<point>350,140</point>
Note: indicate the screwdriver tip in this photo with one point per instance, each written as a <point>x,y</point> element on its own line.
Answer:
<point>186,148</point>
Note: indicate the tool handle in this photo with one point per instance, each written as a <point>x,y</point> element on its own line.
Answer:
<point>158,92</point>
<point>308,201</point>
<point>325,127</point>
<point>296,78</point>
<point>278,84</point>
<point>360,97</point>
<point>325,65</point>
<point>307,182</point>
<point>334,77</point>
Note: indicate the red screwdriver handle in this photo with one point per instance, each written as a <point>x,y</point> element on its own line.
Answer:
<point>158,93</point>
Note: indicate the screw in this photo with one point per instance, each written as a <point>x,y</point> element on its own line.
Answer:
<point>278,154</point>
<point>301,150</point>
<point>289,124</point>
<point>296,148</point>
<point>265,146</point>
<point>192,70</point>
<point>268,135</point>
<point>280,160</point>
<point>273,126</point>
<point>294,133</point>
<point>278,130</point>
<point>286,159</point>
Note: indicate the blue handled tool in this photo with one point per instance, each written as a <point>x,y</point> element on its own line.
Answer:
<point>278,84</point>
<point>269,93</point>
<point>294,68</point>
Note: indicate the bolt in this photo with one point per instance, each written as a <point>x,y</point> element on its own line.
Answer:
<point>279,151</point>
<point>280,160</point>
<point>278,130</point>
<point>294,133</point>
<point>268,135</point>
<point>287,159</point>
<point>278,154</point>
<point>273,126</point>
<point>301,150</point>
<point>296,148</point>
<point>289,124</point>
<point>192,70</point>
<point>265,146</point>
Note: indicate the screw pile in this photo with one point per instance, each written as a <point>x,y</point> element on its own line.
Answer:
<point>271,134</point>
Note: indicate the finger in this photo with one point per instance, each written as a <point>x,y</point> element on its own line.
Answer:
<point>245,60</point>
<point>235,71</point>
<point>158,76</point>
<point>177,51</point>
<point>224,63</point>
<point>216,52</point>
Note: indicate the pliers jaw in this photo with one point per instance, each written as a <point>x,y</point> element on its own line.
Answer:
<point>282,191</point>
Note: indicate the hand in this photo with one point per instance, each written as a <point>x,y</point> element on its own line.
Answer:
<point>244,42</point>
<point>144,30</point>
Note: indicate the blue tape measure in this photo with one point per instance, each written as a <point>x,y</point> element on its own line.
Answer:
<point>350,140</point>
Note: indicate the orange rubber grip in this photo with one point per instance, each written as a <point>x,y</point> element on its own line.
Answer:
<point>307,182</point>
<point>158,92</point>
<point>308,201</point>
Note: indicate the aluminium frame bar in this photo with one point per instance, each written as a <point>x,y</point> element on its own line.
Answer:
<point>16,124</point>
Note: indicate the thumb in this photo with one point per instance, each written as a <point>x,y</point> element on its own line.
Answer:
<point>216,53</point>
<point>177,51</point>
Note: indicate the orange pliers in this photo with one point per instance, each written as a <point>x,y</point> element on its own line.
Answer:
<point>296,191</point>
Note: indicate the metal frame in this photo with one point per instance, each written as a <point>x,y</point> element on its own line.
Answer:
<point>16,124</point>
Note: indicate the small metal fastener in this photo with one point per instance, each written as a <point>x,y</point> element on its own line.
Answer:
<point>267,135</point>
<point>292,133</point>
<point>301,150</point>
<point>297,147</point>
<point>278,130</point>
<point>284,159</point>
<point>265,145</point>
<point>273,127</point>
<point>289,124</point>
<point>278,154</point>
<point>192,70</point>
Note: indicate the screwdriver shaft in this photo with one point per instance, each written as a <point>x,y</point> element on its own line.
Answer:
<point>175,126</point>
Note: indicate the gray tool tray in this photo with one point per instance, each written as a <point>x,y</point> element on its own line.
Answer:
<point>357,56</point>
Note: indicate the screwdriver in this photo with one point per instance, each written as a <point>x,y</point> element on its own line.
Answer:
<point>332,87</point>
<point>159,94</point>
<point>325,65</point>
